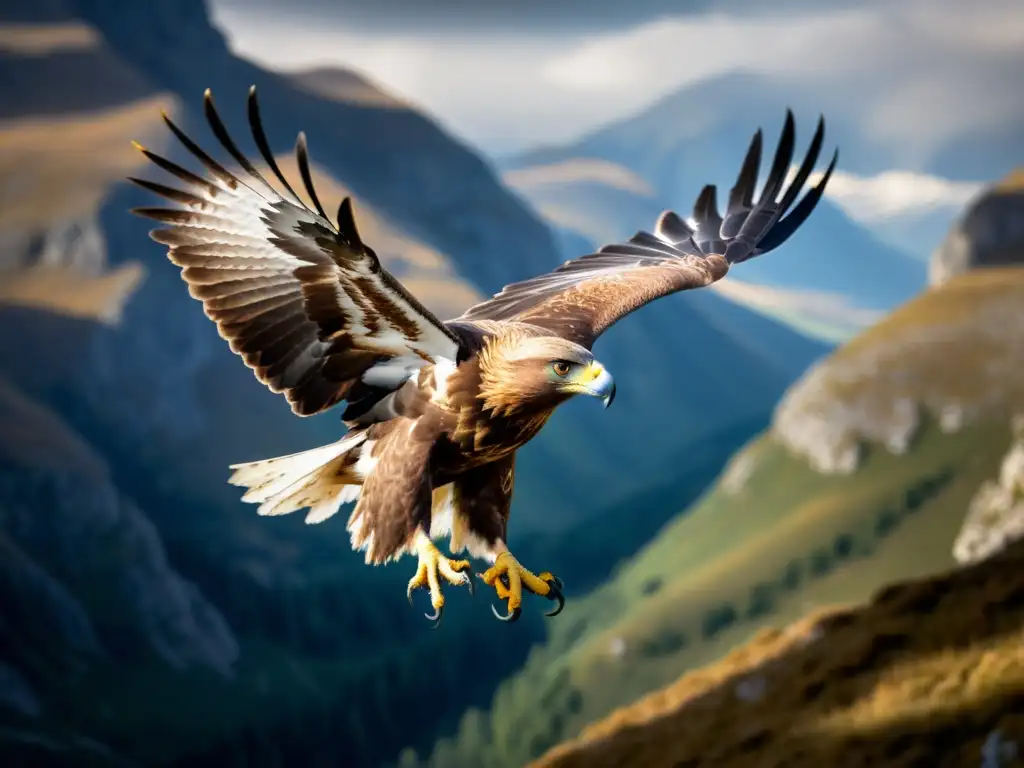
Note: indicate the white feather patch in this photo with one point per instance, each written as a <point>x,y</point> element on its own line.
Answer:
<point>269,477</point>
<point>330,506</point>
<point>392,373</point>
<point>441,512</point>
<point>366,461</point>
<point>443,370</point>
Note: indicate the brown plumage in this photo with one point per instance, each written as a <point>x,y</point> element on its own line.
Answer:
<point>435,410</point>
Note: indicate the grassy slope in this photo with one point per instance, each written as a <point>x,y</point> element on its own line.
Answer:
<point>931,672</point>
<point>807,539</point>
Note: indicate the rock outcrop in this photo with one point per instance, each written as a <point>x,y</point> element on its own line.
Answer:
<point>995,517</point>
<point>989,233</point>
<point>878,388</point>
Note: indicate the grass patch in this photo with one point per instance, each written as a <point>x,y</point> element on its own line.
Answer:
<point>930,672</point>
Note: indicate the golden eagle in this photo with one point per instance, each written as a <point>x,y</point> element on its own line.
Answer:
<point>435,410</point>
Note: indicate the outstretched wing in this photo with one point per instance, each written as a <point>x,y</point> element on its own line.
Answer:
<point>303,301</point>
<point>582,298</point>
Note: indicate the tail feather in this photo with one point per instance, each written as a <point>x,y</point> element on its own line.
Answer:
<point>307,479</point>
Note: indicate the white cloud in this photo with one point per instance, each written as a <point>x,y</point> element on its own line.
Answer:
<point>886,64</point>
<point>896,193</point>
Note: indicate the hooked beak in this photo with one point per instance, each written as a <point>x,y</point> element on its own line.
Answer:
<point>601,384</point>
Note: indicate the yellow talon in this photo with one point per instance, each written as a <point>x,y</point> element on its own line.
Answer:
<point>433,567</point>
<point>509,579</point>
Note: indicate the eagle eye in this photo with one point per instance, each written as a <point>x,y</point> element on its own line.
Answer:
<point>560,367</point>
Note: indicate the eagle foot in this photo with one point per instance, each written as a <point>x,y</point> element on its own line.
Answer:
<point>510,579</point>
<point>433,568</point>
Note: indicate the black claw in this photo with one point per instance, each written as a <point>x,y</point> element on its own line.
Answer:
<point>512,615</point>
<point>436,618</point>
<point>555,593</point>
<point>469,575</point>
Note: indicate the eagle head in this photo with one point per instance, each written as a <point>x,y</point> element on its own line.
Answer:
<point>542,371</point>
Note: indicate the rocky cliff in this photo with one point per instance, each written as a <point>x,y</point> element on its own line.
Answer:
<point>988,233</point>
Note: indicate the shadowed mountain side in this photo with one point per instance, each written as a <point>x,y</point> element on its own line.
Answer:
<point>59,167</point>
<point>54,68</point>
<point>597,199</point>
<point>84,570</point>
<point>345,86</point>
<point>396,160</point>
<point>63,142</point>
<point>867,685</point>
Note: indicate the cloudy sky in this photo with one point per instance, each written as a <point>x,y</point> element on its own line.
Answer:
<point>507,76</point>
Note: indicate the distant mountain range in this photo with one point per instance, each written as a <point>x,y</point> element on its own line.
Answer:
<point>730,105</point>
<point>134,384</point>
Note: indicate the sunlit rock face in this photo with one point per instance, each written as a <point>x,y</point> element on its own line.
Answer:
<point>996,514</point>
<point>880,388</point>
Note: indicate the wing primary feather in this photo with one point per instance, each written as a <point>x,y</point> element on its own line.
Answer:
<point>781,232</point>
<point>347,224</point>
<point>781,163</point>
<point>706,207</point>
<point>746,182</point>
<point>741,196</point>
<point>177,195</point>
<point>176,170</point>
<point>212,165</point>
<point>765,214</point>
<point>225,139</point>
<point>302,155</point>
<point>670,226</point>
<point>165,216</point>
<point>709,221</point>
<point>260,136</point>
<point>810,160</point>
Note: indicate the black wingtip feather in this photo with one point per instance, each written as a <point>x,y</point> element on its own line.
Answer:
<point>302,155</point>
<point>742,194</point>
<point>176,170</point>
<point>672,227</point>
<point>212,165</point>
<point>783,159</point>
<point>751,228</point>
<point>783,229</point>
<point>260,137</point>
<point>810,160</point>
<point>347,224</point>
<point>177,195</point>
<point>221,132</point>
